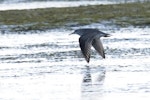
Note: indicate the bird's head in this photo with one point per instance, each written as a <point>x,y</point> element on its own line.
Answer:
<point>78,31</point>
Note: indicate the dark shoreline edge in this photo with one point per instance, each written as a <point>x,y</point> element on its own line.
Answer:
<point>124,15</point>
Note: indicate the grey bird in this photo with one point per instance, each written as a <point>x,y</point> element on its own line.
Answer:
<point>90,37</point>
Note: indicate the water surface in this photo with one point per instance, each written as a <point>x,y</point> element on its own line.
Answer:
<point>34,4</point>
<point>49,66</point>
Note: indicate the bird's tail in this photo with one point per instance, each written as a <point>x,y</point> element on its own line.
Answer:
<point>107,35</point>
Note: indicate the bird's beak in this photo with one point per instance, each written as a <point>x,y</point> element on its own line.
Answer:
<point>71,33</point>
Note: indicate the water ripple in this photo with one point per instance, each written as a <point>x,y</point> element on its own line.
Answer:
<point>53,63</point>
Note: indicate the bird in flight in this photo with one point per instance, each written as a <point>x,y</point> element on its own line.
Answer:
<point>90,37</point>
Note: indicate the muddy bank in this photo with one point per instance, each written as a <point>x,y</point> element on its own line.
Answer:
<point>136,14</point>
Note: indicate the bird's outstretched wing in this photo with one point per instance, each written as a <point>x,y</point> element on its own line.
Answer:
<point>85,45</point>
<point>97,44</point>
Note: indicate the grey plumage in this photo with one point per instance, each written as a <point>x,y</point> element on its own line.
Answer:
<point>90,37</point>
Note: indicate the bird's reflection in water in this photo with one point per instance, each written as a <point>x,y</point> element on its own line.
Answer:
<point>87,75</point>
<point>92,85</point>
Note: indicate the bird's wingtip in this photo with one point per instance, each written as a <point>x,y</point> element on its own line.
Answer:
<point>88,61</point>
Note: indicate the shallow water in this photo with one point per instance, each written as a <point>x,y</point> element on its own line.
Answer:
<point>49,66</point>
<point>34,4</point>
